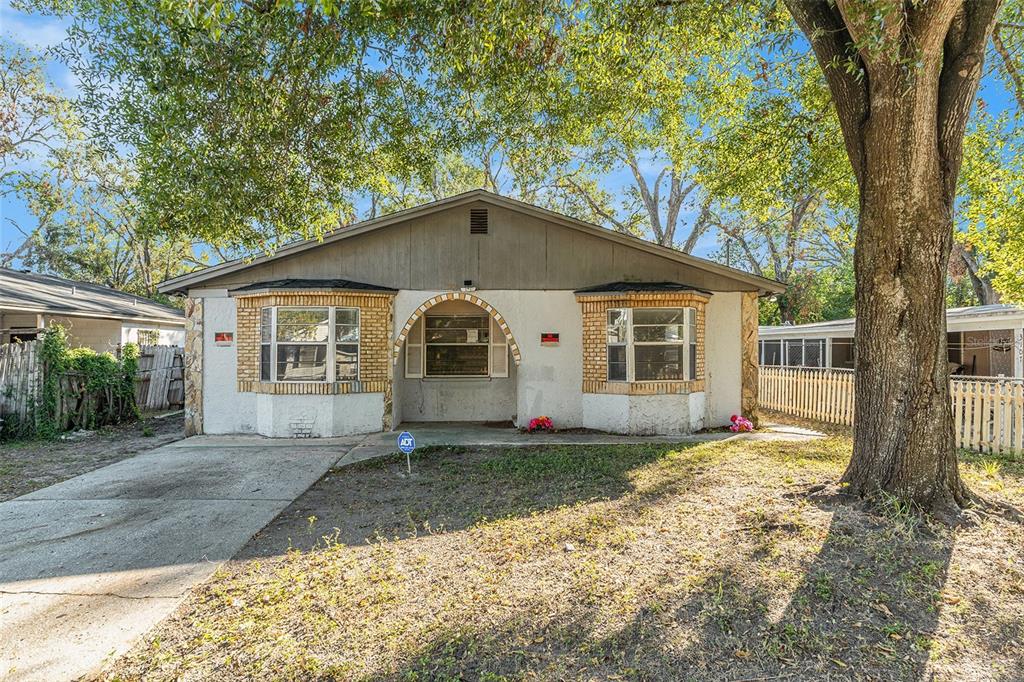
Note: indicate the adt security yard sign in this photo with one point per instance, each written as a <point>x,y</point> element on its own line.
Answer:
<point>406,443</point>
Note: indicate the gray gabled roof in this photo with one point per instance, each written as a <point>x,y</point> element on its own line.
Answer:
<point>29,292</point>
<point>184,282</point>
<point>996,311</point>
<point>649,287</point>
<point>312,285</point>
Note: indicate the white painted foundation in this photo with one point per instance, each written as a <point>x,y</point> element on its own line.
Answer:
<point>644,415</point>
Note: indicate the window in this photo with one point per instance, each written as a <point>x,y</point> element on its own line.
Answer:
<point>457,345</point>
<point>814,352</point>
<point>295,343</point>
<point>771,353</point>
<point>346,344</point>
<point>149,337</point>
<point>617,346</point>
<point>652,344</point>
<point>794,352</point>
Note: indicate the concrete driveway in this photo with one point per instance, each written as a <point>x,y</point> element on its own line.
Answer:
<point>90,564</point>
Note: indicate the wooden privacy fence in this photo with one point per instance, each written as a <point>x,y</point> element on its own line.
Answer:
<point>160,383</point>
<point>21,375</point>
<point>988,412</point>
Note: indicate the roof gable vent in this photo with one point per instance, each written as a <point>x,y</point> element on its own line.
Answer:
<point>478,221</point>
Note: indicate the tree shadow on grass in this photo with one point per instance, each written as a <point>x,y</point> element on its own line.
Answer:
<point>864,606</point>
<point>451,489</point>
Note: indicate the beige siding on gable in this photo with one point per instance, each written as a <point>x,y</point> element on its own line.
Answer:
<point>437,252</point>
<point>99,334</point>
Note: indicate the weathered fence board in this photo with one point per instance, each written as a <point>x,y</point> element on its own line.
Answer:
<point>20,379</point>
<point>988,412</point>
<point>160,384</point>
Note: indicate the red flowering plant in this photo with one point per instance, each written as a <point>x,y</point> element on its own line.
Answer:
<point>740,423</point>
<point>540,424</point>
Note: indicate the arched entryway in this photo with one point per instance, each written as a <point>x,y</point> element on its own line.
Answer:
<point>458,296</point>
<point>456,359</point>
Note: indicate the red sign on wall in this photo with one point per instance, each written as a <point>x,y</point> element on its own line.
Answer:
<point>549,338</point>
<point>223,338</point>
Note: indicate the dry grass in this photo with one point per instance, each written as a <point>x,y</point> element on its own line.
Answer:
<point>624,562</point>
<point>33,464</point>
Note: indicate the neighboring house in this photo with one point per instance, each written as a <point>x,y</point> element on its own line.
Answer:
<point>985,340</point>
<point>473,308</point>
<point>94,316</point>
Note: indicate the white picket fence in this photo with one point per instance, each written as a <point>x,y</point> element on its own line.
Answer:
<point>21,376</point>
<point>988,412</point>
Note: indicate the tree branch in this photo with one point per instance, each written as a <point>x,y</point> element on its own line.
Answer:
<point>962,61</point>
<point>1011,68</point>
<point>831,41</point>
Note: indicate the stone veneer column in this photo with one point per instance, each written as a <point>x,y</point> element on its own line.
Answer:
<point>387,423</point>
<point>193,370</point>
<point>748,355</point>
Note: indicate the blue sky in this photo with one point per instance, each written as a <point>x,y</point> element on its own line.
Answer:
<point>39,33</point>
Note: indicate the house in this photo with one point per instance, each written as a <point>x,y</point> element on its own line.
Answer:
<point>473,308</point>
<point>985,340</point>
<point>94,316</point>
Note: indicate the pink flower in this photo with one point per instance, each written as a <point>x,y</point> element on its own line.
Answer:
<point>541,423</point>
<point>741,423</point>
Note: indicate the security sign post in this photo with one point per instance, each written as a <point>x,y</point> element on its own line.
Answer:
<point>406,443</point>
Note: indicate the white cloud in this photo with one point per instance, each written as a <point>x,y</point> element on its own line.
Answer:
<point>32,31</point>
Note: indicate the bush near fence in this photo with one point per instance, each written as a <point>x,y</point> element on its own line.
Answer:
<point>47,388</point>
<point>988,412</point>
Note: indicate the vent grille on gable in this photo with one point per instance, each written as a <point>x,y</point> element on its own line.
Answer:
<point>478,221</point>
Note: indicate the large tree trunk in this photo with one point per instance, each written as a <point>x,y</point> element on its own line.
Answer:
<point>903,434</point>
<point>903,110</point>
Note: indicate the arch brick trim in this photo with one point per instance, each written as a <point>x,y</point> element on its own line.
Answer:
<point>457,296</point>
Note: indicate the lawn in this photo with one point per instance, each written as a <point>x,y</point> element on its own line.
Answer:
<point>703,561</point>
<point>29,465</point>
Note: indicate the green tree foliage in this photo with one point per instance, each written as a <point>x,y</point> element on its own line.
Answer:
<point>991,208</point>
<point>33,118</point>
<point>90,226</point>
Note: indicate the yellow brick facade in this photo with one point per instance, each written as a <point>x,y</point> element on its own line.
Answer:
<point>595,354</point>
<point>376,325</point>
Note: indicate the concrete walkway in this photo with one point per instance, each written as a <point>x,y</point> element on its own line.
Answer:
<point>463,434</point>
<point>90,564</point>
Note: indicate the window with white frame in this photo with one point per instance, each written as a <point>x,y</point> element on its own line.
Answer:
<point>456,345</point>
<point>296,344</point>
<point>652,344</point>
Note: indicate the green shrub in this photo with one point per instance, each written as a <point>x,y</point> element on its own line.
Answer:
<point>83,388</point>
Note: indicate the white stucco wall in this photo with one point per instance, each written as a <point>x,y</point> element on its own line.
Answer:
<point>226,410</point>
<point>549,380</point>
<point>332,415</point>
<point>169,335</point>
<point>644,414</point>
<point>471,400</point>
<point>722,358</point>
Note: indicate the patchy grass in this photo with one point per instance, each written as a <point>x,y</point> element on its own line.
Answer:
<point>28,465</point>
<point>605,562</point>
